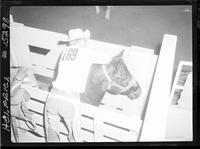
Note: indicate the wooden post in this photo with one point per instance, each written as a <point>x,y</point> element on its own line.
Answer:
<point>156,114</point>
<point>19,50</point>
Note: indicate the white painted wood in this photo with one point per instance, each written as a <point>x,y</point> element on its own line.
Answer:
<point>39,119</point>
<point>104,139</point>
<point>43,38</point>
<point>47,61</point>
<point>129,122</point>
<point>87,136</point>
<point>11,18</point>
<point>112,48</point>
<point>63,138</point>
<point>102,115</point>
<point>179,121</point>
<point>18,47</point>
<point>98,121</point>
<point>155,119</point>
<point>36,93</point>
<point>87,109</point>
<point>63,128</point>
<point>87,123</point>
<point>44,71</point>
<point>119,134</point>
<point>35,106</point>
<point>47,40</point>
<point>11,62</point>
<point>179,124</point>
<point>13,56</point>
<point>23,127</point>
<point>77,123</point>
<point>149,82</point>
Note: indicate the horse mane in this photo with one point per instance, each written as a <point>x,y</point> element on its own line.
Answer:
<point>96,86</point>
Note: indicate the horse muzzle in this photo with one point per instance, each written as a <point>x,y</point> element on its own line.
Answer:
<point>134,92</point>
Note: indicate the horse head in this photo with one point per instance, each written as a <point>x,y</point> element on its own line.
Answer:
<point>121,81</point>
<point>113,77</point>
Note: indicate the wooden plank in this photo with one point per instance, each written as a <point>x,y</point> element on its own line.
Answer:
<point>44,71</point>
<point>29,137</point>
<point>63,138</point>
<point>36,93</point>
<point>121,121</point>
<point>11,62</point>
<point>158,105</point>
<point>48,61</point>
<point>87,123</point>
<point>87,110</point>
<point>152,69</point>
<point>63,129</point>
<point>18,48</point>
<point>43,38</point>
<point>87,136</point>
<point>39,132</point>
<point>179,124</point>
<point>118,133</point>
<point>129,122</point>
<point>109,139</point>
<point>47,40</point>
<point>13,55</point>
<point>11,18</point>
<point>39,119</point>
<point>36,106</point>
<point>111,48</point>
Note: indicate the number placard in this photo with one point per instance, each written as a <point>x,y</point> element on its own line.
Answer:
<point>70,54</point>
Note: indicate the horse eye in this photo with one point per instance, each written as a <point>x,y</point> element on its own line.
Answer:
<point>123,73</point>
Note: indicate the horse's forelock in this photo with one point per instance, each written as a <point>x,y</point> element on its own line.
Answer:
<point>124,70</point>
<point>119,72</point>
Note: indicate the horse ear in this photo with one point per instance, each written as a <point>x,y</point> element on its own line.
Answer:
<point>119,56</point>
<point>121,53</point>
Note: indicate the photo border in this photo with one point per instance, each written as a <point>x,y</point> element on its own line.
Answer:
<point>5,63</point>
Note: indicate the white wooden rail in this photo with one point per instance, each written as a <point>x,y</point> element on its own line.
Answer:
<point>156,114</point>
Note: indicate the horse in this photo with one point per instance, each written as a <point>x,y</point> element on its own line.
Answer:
<point>114,78</point>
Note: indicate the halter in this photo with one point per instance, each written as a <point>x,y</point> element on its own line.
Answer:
<point>111,83</point>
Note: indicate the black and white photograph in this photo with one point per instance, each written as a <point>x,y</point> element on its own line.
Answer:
<point>111,73</point>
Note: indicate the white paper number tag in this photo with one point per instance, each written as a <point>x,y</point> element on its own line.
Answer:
<point>74,66</point>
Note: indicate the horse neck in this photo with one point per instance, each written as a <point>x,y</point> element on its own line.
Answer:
<point>109,68</point>
<point>95,92</point>
<point>94,98</point>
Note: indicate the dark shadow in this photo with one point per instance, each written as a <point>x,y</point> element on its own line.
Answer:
<point>38,50</point>
<point>157,49</point>
<point>32,132</point>
<point>56,72</point>
<point>35,133</point>
<point>63,43</point>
